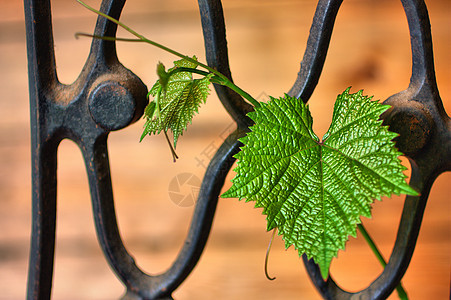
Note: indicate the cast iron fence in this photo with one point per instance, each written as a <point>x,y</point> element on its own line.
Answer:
<point>83,112</point>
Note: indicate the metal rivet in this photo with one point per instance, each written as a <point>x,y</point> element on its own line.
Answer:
<point>414,127</point>
<point>111,105</point>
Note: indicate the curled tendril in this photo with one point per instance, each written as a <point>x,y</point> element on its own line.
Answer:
<point>267,255</point>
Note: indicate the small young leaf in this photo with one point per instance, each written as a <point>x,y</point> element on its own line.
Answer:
<point>179,100</point>
<point>162,75</point>
<point>314,192</point>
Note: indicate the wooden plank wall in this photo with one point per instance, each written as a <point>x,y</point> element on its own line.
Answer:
<point>370,50</point>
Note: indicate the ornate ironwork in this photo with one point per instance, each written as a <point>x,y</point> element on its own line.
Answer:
<point>107,96</point>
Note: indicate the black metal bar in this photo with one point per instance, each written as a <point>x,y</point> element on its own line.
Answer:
<point>42,75</point>
<point>316,49</point>
<point>417,114</point>
<point>213,26</point>
<point>203,214</point>
<point>78,112</point>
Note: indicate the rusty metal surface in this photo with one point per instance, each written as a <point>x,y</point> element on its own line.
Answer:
<point>107,97</point>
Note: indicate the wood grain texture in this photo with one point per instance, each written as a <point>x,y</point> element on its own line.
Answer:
<point>370,49</point>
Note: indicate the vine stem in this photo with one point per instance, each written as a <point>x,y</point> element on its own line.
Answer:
<point>399,288</point>
<point>144,39</point>
<point>174,155</point>
<point>223,80</point>
<point>219,80</point>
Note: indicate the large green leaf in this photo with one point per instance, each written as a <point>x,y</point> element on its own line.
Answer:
<point>314,192</point>
<point>178,100</point>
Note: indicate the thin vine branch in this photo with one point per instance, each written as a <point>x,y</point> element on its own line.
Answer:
<point>221,78</point>
<point>399,288</point>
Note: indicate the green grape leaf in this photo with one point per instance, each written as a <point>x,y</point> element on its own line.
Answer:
<point>176,101</point>
<point>314,192</point>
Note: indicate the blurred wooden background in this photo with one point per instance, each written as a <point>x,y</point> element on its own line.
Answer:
<point>370,50</point>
